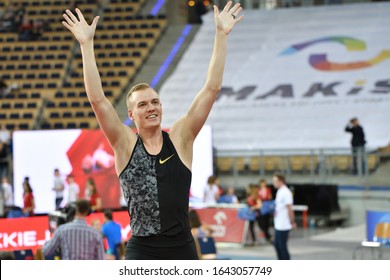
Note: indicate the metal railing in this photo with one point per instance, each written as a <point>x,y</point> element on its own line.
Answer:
<point>310,162</point>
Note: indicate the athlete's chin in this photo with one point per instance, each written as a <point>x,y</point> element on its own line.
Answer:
<point>152,125</point>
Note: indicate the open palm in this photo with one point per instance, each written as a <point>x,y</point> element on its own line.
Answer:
<point>226,20</point>
<point>82,31</point>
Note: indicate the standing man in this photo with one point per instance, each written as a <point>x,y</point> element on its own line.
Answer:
<point>357,142</point>
<point>58,188</point>
<point>284,216</point>
<point>112,231</point>
<point>76,240</point>
<point>4,159</point>
<point>8,192</point>
<point>73,189</point>
<point>153,166</point>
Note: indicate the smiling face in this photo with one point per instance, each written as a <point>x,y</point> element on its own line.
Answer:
<point>145,108</point>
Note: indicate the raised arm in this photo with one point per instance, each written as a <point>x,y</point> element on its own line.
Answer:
<point>105,113</point>
<point>200,108</point>
<point>349,127</point>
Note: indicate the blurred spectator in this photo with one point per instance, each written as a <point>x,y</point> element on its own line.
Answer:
<point>265,194</point>
<point>73,189</point>
<point>93,196</point>
<point>254,202</point>
<point>284,220</point>
<point>221,190</point>
<point>111,230</point>
<point>198,229</point>
<point>76,240</point>
<point>26,29</point>
<point>12,17</point>
<point>229,197</point>
<point>5,135</point>
<point>357,142</point>
<point>96,224</point>
<point>15,19</point>
<point>211,191</point>
<point>3,159</point>
<point>28,198</point>
<point>7,192</point>
<point>58,188</point>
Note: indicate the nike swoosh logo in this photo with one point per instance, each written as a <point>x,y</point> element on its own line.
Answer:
<point>165,160</point>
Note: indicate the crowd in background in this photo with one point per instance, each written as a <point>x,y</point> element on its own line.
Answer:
<point>66,192</point>
<point>15,19</point>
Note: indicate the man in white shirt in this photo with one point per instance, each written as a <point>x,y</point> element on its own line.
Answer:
<point>58,188</point>
<point>5,135</point>
<point>73,189</point>
<point>8,192</point>
<point>284,216</point>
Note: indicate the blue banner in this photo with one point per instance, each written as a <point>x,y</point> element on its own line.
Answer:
<point>378,227</point>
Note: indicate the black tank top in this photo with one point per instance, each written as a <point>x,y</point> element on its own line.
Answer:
<point>156,189</point>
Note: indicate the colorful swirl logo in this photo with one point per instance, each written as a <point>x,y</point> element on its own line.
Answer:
<point>321,62</point>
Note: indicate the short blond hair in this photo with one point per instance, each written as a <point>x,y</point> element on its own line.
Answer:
<point>137,87</point>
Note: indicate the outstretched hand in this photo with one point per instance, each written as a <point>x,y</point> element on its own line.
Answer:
<point>79,27</point>
<point>226,20</point>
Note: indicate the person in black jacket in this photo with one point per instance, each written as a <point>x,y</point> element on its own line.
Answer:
<point>358,141</point>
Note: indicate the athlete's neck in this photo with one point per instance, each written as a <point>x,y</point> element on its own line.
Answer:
<point>152,140</point>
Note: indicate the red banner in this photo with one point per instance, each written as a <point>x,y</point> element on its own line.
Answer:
<point>32,232</point>
<point>227,227</point>
<point>23,233</point>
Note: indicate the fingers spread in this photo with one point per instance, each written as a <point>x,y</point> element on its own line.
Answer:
<point>95,21</point>
<point>239,19</point>
<point>236,12</point>
<point>68,20</point>
<point>216,12</point>
<point>72,16</point>
<point>235,8</point>
<point>66,25</point>
<point>79,14</point>
<point>227,7</point>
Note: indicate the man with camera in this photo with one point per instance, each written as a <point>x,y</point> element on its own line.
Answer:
<point>357,142</point>
<point>76,240</point>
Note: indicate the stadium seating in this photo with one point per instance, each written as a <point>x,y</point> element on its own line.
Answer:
<point>51,68</point>
<point>52,95</point>
<point>274,99</point>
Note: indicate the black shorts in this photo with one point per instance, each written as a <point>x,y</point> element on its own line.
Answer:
<point>154,248</point>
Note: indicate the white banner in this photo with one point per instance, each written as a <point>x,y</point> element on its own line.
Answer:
<point>293,78</point>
